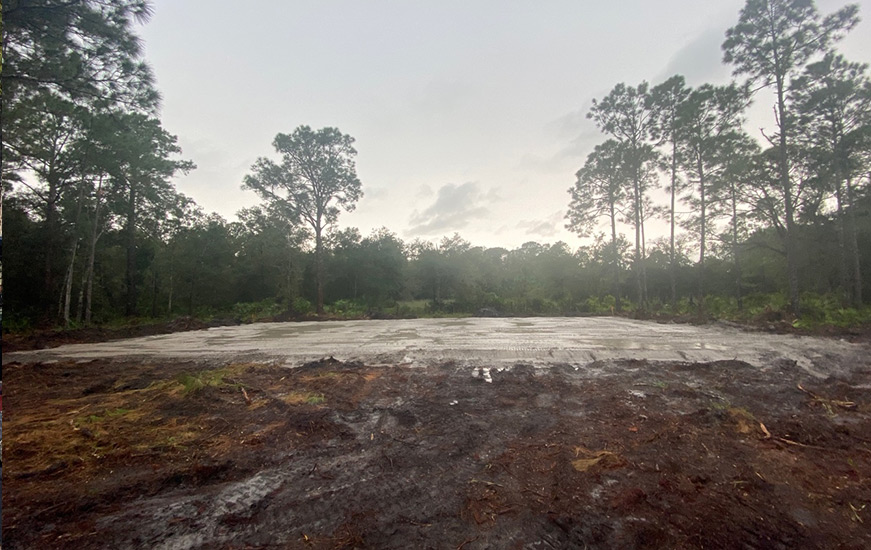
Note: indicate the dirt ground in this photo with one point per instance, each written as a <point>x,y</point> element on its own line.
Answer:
<point>51,338</point>
<point>618,454</point>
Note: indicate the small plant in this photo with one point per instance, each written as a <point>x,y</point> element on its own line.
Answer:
<point>297,398</point>
<point>193,383</point>
<point>315,399</point>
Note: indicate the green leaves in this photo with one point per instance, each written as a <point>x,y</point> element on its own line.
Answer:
<point>316,173</point>
<point>775,38</point>
<point>83,51</point>
<point>316,177</point>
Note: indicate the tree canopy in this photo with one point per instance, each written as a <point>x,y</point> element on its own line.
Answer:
<point>773,223</point>
<point>316,178</point>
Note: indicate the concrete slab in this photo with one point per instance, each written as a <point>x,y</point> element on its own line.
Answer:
<point>476,342</point>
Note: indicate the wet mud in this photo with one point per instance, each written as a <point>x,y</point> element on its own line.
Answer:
<point>615,453</point>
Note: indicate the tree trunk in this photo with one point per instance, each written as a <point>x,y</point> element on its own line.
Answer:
<point>672,268</point>
<point>702,231</point>
<point>844,269</point>
<point>637,219</point>
<point>171,283</point>
<point>154,294</point>
<point>319,268</point>
<point>618,305</point>
<point>191,298</point>
<point>68,285</point>
<point>786,185</point>
<point>68,281</point>
<point>95,235</point>
<point>853,243</point>
<point>645,297</point>
<point>52,233</point>
<point>169,300</point>
<point>735,259</point>
<point>131,298</point>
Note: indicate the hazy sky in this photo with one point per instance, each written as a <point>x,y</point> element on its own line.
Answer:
<point>469,116</point>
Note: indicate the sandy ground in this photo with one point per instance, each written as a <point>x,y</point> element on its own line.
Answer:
<point>460,434</point>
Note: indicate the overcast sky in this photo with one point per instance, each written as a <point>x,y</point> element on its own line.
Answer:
<point>469,116</point>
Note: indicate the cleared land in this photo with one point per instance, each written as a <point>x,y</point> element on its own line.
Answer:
<point>473,433</point>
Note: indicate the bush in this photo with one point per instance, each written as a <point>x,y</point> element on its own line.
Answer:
<point>251,312</point>
<point>599,305</point>
<point>825,310</point>
<point>302,306</point>
<point>346,308</point>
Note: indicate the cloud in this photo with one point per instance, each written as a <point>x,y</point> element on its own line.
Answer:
<point>375,193</point>
<point>700,60</point>
<point>455,206</point>
<point>573,135</point>
<point>424,191</point>
<point>567,159</point>
<point>571,124</point>
<point>547,227</point>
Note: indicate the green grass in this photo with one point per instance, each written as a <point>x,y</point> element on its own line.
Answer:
<point>192,383</point>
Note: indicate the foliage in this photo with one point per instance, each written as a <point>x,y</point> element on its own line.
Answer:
<point>103,236</point>
<point>252,312</point>
<point>194,382</point>
<point>302,306</point>
<point>826,310</point>
<point>317,176</point>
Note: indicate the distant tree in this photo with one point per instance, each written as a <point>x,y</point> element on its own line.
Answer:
<point>384,264</point>
<point>206,264</point>
<point>709,123</point>
<point>429,271</point>
<point>271,258</point>
<point>665,101</point>
<point>767,201</point>
<point>40,135</point>
<point>346,268</point>
<point>833,100</point>
<point>737,159</point>
<point>771,44</point>
<point>316,176</point>
<point>599,191</point>
<point>68,66</point>
<point>141,165</point>
<point>626,115</point>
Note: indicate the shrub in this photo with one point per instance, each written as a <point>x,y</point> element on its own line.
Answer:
<point>302,306</point>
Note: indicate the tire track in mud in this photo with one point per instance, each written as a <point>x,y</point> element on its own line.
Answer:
<point>438,457</point>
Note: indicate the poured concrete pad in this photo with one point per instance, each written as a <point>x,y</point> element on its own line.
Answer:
<point>476,342</point>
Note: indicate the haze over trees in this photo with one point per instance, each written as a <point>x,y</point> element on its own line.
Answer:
<point>759,223</point>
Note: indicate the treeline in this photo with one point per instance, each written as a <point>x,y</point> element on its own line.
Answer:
<point>262,267</point>
<point>96,231</point>
<point>86,164</point>
<point>806,181</point>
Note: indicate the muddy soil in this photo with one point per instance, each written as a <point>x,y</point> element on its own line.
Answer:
<point>616,454</point>
<point>52,338</point>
